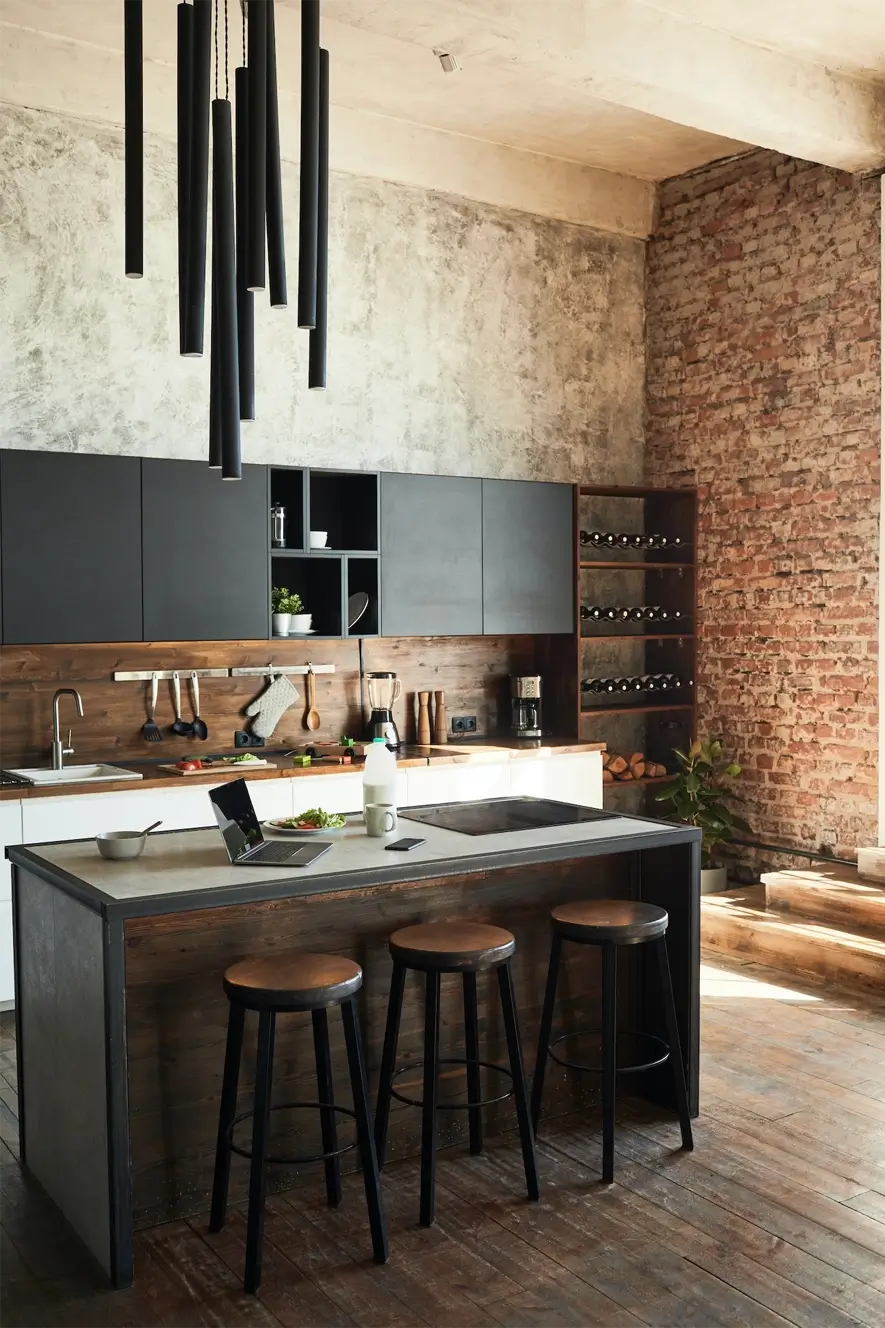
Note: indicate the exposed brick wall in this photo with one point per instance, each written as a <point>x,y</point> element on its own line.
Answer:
<point>763,388</point>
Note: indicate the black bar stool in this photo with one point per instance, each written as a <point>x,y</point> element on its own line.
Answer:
<point>467,948</point>
<point>610,923</point>
<point>281,984</point>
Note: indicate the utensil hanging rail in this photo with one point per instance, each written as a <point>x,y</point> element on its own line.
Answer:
<point>253,671</point>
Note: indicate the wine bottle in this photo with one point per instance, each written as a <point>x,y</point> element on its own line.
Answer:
<point>663,682</point>
<point>649,683</point>
<point>675,681</point>
<point>676,614</point>
<point>650,612</point>
<point>663,614</point>
<point>623,615</point>
<point>609,685</point>
<point>637,685</point>
<point>611,615</point>
<point>592,685</point>
<point>610,540</point>
<point>637,614</point>
<point>638,541</point>
<point>624,541</point>
<point>624,685</point>
<point>593,537</point>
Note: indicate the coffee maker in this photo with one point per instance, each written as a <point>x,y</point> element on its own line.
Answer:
<point>525,706</point>
<point>383,689</point>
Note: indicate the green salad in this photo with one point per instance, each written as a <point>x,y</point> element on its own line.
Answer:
<point>314,819</point>
<point>240,760</point>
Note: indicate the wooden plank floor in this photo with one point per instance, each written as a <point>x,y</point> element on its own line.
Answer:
<point>778,1217</point>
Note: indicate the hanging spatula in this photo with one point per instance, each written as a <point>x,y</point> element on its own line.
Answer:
<point>151,730</point>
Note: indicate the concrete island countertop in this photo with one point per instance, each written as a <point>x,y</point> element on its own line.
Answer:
<point>188,869</point>
<point>477,751</point>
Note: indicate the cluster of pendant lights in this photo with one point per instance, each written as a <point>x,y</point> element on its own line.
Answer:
<point>247,197</point>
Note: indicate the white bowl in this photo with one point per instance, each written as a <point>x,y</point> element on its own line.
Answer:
<point>121,845</point>
<point>300,622</point>
<point>318,538</point>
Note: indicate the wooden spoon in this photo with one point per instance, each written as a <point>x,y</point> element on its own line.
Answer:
<point>312,718</point>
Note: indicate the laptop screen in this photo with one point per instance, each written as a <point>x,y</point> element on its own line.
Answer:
<point>236,818</point>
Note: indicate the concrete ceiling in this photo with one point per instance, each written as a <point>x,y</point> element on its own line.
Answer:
<point>565,108</point>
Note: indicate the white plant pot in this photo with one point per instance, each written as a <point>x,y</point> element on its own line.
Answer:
<point>713,880</point>
<point>281,623</point>
<point>300,622</point>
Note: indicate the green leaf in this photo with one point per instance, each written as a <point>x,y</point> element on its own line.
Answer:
<point>733,769</point>
<point>692,783</point>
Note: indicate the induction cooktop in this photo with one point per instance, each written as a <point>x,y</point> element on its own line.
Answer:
<point>499,816</point>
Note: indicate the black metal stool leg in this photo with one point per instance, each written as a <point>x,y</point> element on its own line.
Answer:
<point>520,1095</point>
<point>471,1048</point>
<point>388,1059</point>
<point>365,1137</point>
<point>227,1111</point>
<point>609,1058</point>
<point>545,1029</point>
<point>260,1131</point>
<point>675,1048</point>
<point>326,1090</point>
<point>431,1086</point>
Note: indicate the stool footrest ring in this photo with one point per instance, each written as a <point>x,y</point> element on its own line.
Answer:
<point>663,1052</point>
<point>453,1106</point>
<point>292,1106</point>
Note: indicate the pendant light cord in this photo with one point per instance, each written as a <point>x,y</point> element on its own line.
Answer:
<point>243,4</point>
<point>216,48</point>
<point>226,59</point>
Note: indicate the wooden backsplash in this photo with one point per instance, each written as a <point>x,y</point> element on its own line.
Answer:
<point>473,672</point>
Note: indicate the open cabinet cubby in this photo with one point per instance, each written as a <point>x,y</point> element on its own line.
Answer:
<point>656,721</point>
<point>362,577</point>
<point>345,506</point>
<point>319,583</point>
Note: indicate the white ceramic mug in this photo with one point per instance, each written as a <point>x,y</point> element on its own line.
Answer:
<point>380,819</point>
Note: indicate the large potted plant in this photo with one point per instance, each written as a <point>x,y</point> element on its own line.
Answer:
<point>700,794</point>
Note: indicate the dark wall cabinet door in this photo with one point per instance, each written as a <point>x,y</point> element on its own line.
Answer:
<point>431,556</point>
<point>527,557</point>
<point>71,532</point>
<point>205,553</point>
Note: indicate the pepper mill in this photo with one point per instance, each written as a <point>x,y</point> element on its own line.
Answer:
<point>440,724</point>
<point>423,719</point>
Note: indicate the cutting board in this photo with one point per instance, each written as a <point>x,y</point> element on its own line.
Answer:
<point>218,768</point>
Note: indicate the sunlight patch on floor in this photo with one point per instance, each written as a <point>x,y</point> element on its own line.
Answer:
<point>719,982</point>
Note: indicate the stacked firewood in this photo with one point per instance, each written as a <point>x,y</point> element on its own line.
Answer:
<point>621,768</point>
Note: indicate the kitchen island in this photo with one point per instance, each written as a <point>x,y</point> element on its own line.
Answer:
<point>122,1020</point>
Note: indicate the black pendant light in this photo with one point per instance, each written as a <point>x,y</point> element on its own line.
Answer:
<point>316,367</point>
<point>133,61</point>
<point>247,198</point>
<point>245,297</point>
<point>185,112</point>
<point>198,189</point>
<point>257,28</point>
<point>276,249</point>
<point>310,151</point>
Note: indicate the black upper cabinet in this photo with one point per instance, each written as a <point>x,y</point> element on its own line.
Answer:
<point>205,553</point>
<point>431,556</point>
<point>71,534</point>
<point>527,557</point>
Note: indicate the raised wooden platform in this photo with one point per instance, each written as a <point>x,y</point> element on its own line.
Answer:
<point>822,920</point>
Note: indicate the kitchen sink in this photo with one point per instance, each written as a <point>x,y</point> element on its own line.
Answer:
<point>76,774</point>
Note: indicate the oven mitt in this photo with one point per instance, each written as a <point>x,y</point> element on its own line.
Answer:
<point>268,709</point>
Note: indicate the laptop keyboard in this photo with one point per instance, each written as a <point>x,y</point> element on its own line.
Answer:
<point>275,853</point>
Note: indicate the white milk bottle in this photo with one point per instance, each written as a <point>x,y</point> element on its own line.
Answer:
<point>379,774</point>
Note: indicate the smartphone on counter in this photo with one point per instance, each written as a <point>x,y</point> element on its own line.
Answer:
<point>404,845</point>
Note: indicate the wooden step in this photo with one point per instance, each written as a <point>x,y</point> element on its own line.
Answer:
<point>737,922</point>
<point>829,894</point>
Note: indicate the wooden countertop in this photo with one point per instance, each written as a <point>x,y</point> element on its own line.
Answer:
<point>479,752</point>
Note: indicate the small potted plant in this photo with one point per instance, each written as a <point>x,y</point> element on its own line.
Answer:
<point>299,621</point>
<point>281,609</point>
<point>700,793</point>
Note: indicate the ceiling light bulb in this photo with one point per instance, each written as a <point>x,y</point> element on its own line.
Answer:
<point>450,63</point>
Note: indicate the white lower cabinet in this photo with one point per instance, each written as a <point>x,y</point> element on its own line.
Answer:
<point>458,783</point>
<point>10,833</point>
<point>575,778</point>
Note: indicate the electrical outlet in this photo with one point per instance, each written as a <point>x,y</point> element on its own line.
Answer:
<point>244,739</point>
<point>464,723</point>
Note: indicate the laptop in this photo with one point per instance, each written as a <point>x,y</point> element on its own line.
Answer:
<point>241,832</point>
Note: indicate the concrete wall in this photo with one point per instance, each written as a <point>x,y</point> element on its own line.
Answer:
<point>464,338</point>
<point>764,389</point>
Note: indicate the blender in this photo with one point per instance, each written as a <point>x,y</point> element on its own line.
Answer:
<point>383,689</point>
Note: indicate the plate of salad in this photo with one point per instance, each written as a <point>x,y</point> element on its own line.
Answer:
<point>312,822</point>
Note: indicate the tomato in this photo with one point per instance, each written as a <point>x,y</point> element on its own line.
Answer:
<point>189,765</point>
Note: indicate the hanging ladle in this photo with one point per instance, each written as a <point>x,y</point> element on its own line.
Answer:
<point>199,728</point>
